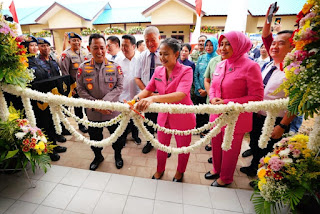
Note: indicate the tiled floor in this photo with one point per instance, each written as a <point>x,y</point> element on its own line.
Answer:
<point>71,190</point>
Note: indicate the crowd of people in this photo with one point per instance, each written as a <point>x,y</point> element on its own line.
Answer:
<point>217,71</point>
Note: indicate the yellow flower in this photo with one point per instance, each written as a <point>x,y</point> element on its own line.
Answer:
<point>36,147</point>
<point>261,173</point>
<point>41,145</point>
<point>13,116</point>
<point>39,152</point>
<point>266,159</point>
<point>261,182</point>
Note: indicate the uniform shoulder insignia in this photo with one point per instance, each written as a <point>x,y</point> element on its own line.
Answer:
<point>119,70</point>
<point>63,56</point>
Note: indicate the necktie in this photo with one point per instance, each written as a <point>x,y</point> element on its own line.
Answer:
<point>152,65</point>
<point>267,77</point>
<point>113,57</point>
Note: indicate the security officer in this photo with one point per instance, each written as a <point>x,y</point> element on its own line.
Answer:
<point>100,79</point>
<point>69,63</point>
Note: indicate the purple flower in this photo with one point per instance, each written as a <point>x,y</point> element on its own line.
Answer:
<point>275,163</point>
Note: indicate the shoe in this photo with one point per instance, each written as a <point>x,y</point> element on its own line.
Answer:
<point>202,135</point>
<point>119,162</point>
<point>60,149</point>
<point>208,148</point>
<point>169,155</point>
<point>153,177</point>
<point>83,129</point>
<point>210,176</point>
<point>65,132</point>
<point>60,138</point>
<point>137,140</point>
<point>95,163</point>
<point>147,148</point>
<point>249,171</point>
<point>247,153</point>
<point>54,156</point>
<point>178,180</point>
<point>216,184</point>
<point>210,160</point>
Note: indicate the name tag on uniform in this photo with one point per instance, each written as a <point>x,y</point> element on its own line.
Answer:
<point>158,79</point>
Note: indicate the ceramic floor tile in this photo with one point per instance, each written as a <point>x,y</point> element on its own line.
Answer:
<point>84,201</point>
<point>224,212</point>
<point>196,195</point>
<point>55,174</point>
<point>244,197</point>
<point>169,191</point>
<point>16,188</point>
<point>5,203</point>
<point>60,196</point>
<point>111,203</point>
<point>120,184</point>
<point>161,207</point>
<point>136,205</point>
<point>96,180</point>
<point>75,177</point>
<point>144,188</point>
<point>188,209</point>
<point>47,210</point>
<point>20,207</point>
<point>221,198</point>
<point>37,194</point>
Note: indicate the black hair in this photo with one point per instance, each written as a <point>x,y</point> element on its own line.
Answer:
<point>203,36</point>
<point>114,39</point>
<point>186,45</point>
<point>285,31</point>
<point>173,44</point>
<point>96,36</point>
<point>131,38</point>
<point>139,43</point>
<point>262,45</point>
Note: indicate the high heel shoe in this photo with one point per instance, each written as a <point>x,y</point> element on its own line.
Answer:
<point>178,180</point>
<point>153,177</point>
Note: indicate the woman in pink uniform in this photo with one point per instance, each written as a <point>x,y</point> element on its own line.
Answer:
<point>237,79</point>
<point>172,81</point>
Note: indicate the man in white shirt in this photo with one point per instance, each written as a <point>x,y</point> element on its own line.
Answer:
<point>113,49</point>
<point>146,64</point>
<point>130,88</point>
<point>264,57</point>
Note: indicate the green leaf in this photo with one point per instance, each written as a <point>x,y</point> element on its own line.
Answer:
<point>28,155</point>
<point>10,154</point>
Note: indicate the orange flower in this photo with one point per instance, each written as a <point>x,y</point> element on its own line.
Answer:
<point>25,148</point>
<point>25,142</point>
<point>306,8</point>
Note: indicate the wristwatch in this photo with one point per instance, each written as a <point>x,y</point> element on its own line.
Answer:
<point>283,126</point>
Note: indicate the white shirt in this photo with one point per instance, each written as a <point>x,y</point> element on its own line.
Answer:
<point>142,70</point>
<point>261,61</point>
<point>119,56</point>
<point>274,82</point>
<point>130,88</point>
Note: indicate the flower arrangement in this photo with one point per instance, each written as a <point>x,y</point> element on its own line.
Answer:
<point>21,142</point>
<point>13,58</point>
<point>136,30</point>
<point>89,31</point>
<point>302,65</point>
<point>114,30</point>
<point>207,29</point>
<point>43,33</point>
<point>286,174</point>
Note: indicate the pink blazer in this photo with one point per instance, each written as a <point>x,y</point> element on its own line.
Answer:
<point>180,80</point>
<point>240,82</point>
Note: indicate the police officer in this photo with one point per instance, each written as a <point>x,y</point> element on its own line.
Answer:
<point>100,79</point>
<point>69,63</point>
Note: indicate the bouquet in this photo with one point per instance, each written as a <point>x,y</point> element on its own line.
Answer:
<point>136,30</point>
<point>302,65</point>
<point>286,175</point>
<point>89,31</point>
<point>114,30</point>
<point>21,142</point>
<point>13,58</point>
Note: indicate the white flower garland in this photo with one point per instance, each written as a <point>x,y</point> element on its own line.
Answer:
<point>314,138</point>
<point>4,112</point>
<point>267,128</point>
<point>90,123</point>
<point>56,120</point>
<point>29,112</point>
<point>229,131</point>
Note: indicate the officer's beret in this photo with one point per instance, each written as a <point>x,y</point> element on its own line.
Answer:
<point>43,41</point>
<point>28,40</point>
<point>74,35</point>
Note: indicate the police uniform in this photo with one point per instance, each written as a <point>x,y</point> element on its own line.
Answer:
<point>70,61</point>
<point>101,82</point>
<point>51,65</point>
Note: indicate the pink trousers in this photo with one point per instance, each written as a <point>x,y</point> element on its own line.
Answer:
<point>162,156</point>
<point>224,162</point>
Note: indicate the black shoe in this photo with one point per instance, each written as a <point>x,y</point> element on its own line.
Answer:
<point>208,148</point>
<point>210,160</point>
<point>216,184</point>
<point>153,177</point>
<point>210,176</point>
<point>137,140</point>
<point>95,163</point>
<point>65,132</point>
<point>202,135</point>
<point>147,148</point>
<point>60,149</point>
<point>178,180</point>
<point>169,155</point>
<point>248,171</point>
<point>54,156</point>
<point>247,153</point>
<point>83,129</point>
<point>119,162</point>
<point>60,138</point>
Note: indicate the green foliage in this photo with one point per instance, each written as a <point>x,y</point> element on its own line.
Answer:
<point>136,30</point>
<point>207,29</point>
<point>114,31</point>
<point>89,31</point>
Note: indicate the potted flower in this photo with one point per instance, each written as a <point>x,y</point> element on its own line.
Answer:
<point>20,143</point>
<point>286,175</point>
<point>114,30</point>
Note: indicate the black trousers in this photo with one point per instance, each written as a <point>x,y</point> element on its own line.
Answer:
<point>257,125</point>
<point>153,117</point>
<point>201,119</point>
<point>95,133</point>
<point>133,129</point>
<point>78,110</point>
